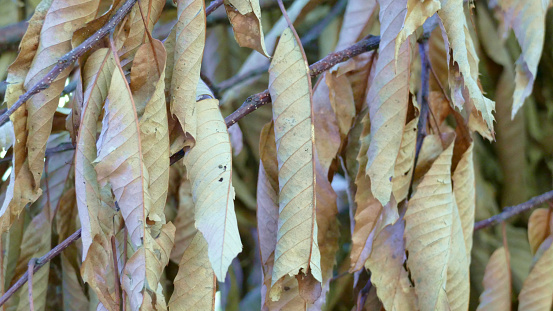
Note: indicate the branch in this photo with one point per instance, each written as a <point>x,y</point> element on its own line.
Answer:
<point>39,263</point>
<point>69,58</point>
<point>514,210</point>
<point>255,101</point>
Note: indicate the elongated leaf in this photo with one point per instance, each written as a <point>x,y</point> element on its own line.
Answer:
<point>368,208</point>
<point>297,247</point>
<point>388,99</point>
<point>537,290</point>
<point>63,18</point>
<point>387,272</point>
<point>154,128</point>
<point>97,75</point>
<point>357,18</point>
<point>195,283</point>
<point>465,196</point>
<point>497,283</point>
<point>22,189</point>
<point>184,222</point>
<point>403,169</point>
<point>463,54</point>
<point>189,46</point>
<point>538,227</point>
<point>428,230</point>
<point>457,286</point>
<point>209,168</point>
<point>418,11</point>
<point>245,18</point>
<point>527,18</point>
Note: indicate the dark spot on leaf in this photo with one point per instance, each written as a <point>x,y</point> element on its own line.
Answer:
<point>221,179</point>
<point>286,288</point>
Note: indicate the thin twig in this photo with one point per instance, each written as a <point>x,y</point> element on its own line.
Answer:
<point>511,211</point>
<point>213,6</point>
<point>255,101</point>
<point>30,271</point>
<point>316,30</point>
<point>39,263</point>
<point>69,58</point>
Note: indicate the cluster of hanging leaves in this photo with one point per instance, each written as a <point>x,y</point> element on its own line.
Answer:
<point>359,189</point>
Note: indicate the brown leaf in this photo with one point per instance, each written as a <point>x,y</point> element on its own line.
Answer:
<point>540,226</point>
<point>184,222</point>
<point>245,18</point>
<point>464,189</point>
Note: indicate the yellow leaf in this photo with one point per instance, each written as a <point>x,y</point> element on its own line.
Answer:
<point>387,272</point>
<point>539,228</point>
<point>428,230</point>
<point>189,47</point>
<point>388,99</point>
<point>195,283</point>
<point>245,18</point>
<point>464,60</point>
<point>209,168</point>
<point>537,290</point>
<point>497,283</point>
<point>527,18</point>
<point>297,249</point>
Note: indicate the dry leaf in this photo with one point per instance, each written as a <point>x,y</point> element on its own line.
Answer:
<point>418,11</point>
<point>537,290</point>
<point>297,249</point>
<point>428,230</point>
<point>188,52</point>
<point>209,168</point>
<point>497,283</point>
<point>465,195</point>
<point>245,18</point>
<point>540,226</point>
<point>388,99</point>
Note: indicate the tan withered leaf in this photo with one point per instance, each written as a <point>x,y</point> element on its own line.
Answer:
<point>388,99</point>
<point>418,11</point>
<point>368,208</point>
<point>356,19</point>
<point>134,30</point>
<point>403,169</point>
<point>154,131</point>
<point>184,222</point>
<point>62,19</point>
<point>245,18</point>
<point>341,100</point>
<point>189,47</point>
<point>538,228</point>
<point>465,195</point>
<point>96,75</point>
<point>195,283</point>
<point>527,18</point>
<point>537,290</point>
<point>428,230</point>
<point>22,188</point>
<point>267,193</point>
<point>98,271</point>
<point>462,57</point>
<point>387,272</point>
<point>209,168</point>
<point>457,286</point>
<point>297,247</point>
<point>497,283</point>
<point>7,135</point>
